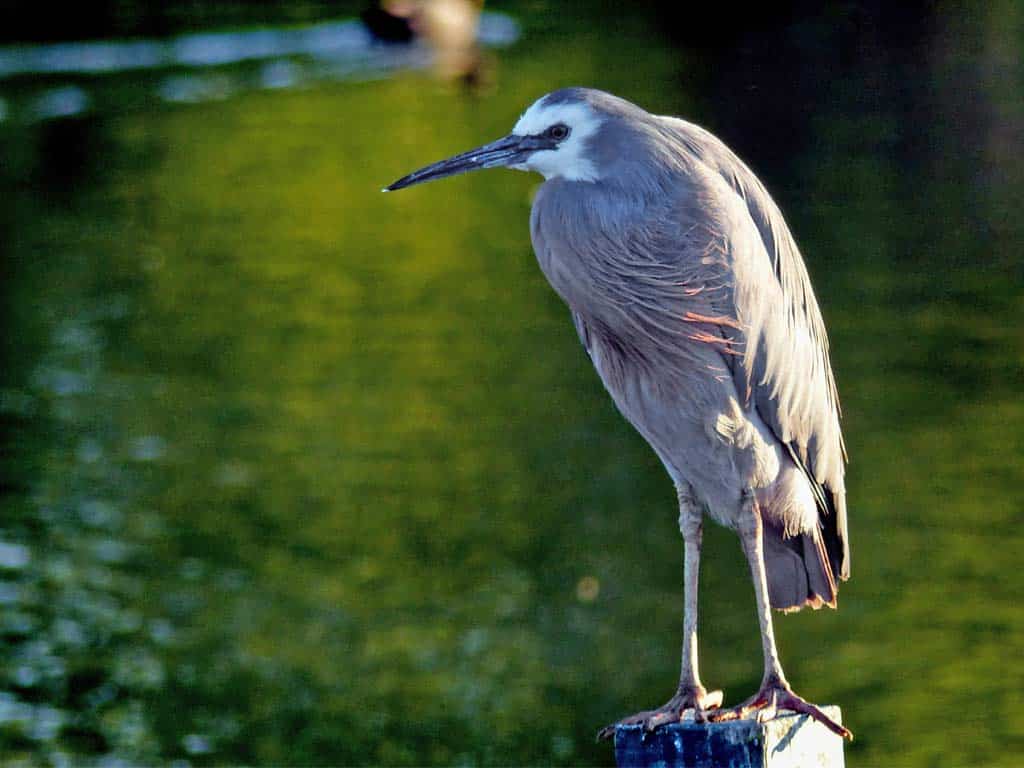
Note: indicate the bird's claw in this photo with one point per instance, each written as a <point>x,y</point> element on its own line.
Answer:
<point>698,700</point>
<point>770,710</point>
<point>767,702</point>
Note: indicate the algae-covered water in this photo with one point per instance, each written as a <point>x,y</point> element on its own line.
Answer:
<point>294,472</point>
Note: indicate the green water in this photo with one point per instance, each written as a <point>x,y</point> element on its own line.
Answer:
<point>299,473</point>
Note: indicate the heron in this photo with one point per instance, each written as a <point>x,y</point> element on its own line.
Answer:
<point>691,298</point>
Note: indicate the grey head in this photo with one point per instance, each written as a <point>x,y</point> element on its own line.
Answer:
<point>575,134</point>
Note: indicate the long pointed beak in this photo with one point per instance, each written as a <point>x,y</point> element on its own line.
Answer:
<point>497,153</point>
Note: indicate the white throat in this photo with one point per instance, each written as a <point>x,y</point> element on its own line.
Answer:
<point>567,160</point>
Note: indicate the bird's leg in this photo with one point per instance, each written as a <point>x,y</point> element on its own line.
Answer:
<point>691,525</point>
<point>775,693</point>
<point>690,694</point>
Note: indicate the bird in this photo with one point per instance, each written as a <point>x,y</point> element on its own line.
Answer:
<point>693,302</point>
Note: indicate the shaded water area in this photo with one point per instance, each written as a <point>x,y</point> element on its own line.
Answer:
<point>298,473</point>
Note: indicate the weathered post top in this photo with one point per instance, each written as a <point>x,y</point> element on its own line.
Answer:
<point>787,741</point>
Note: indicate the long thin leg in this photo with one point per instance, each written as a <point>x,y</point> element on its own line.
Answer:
<point>752,539</point>
<point>690,694</point>
<point>775,692</point>
<point>691,522</point>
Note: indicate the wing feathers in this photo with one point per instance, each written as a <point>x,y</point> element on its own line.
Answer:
<point>785,371</point>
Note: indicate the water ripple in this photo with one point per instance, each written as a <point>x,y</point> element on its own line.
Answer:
<point>328,40</point>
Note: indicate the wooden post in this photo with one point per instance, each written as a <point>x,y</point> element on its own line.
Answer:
<point>787,741</point>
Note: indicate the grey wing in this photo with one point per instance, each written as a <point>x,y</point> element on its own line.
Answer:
<point>784,370</point>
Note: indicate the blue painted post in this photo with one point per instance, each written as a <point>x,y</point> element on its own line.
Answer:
<point>787,741</point>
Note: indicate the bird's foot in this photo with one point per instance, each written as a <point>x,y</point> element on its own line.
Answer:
<point>773,696</point>
<point>694,697</point>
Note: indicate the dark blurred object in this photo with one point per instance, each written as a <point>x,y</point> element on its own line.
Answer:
<point>714,25</point>
<point>387,27</point>
<point>45,22</point>
<point>69,154</point>
<point>771,67</point>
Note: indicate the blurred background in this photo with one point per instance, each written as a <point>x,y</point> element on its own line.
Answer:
<point>294,472</point>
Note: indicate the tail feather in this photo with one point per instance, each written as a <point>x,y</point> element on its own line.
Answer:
<point>799,570</point>
<point>832,514</point>
<point>836,540</point>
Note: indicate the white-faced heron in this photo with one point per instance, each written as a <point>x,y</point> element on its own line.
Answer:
<point>693,302</point>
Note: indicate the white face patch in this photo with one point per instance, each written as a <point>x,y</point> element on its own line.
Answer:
<point>567,160</point>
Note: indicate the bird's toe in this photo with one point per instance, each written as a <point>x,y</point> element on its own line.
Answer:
<point>697,700</point>
<point>769,700</point>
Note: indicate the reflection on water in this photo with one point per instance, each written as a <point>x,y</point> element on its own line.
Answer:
<point>299,473</point>
<point>286,57</point>
<point>332,41</point>
<point>59,102</point>
<point>76,631</point>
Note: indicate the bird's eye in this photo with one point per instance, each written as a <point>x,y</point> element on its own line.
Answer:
<point>557,132</point>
